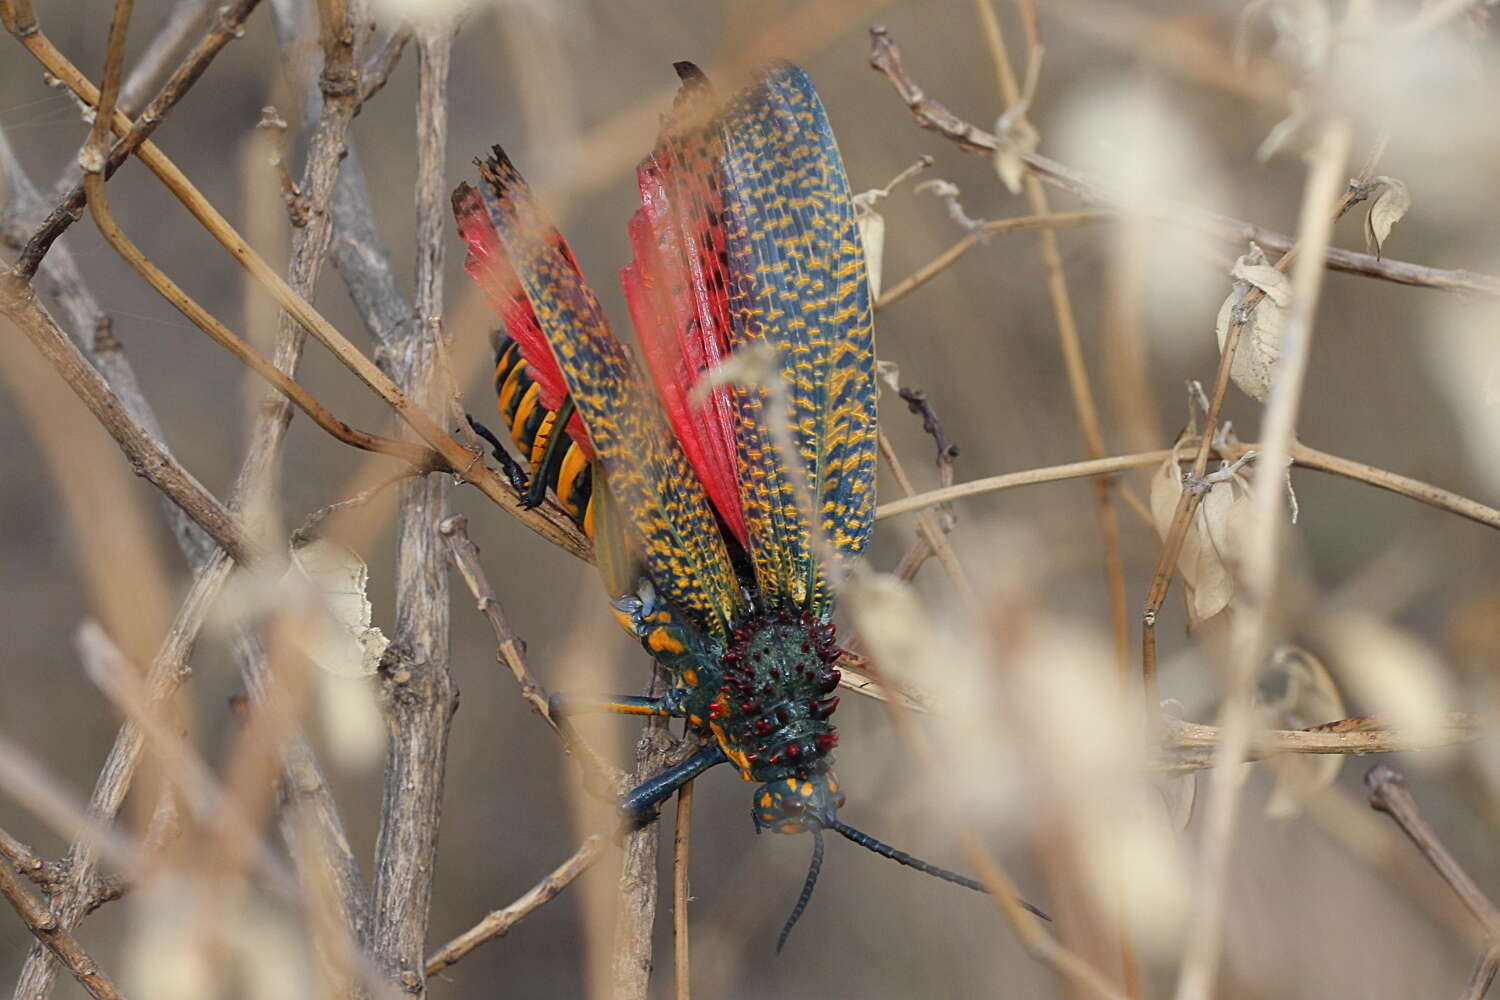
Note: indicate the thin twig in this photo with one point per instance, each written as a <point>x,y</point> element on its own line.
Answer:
<point>148,457</point>
<point>168,667</point>
<point>1482,976</point>
<point>1390,795</point>
<point>1020,224</point>
<point>50,876</point>
<point>1190,746</point>
<point>133,136</point>
<point>1031,477</point>
<point>1068,339</point>
<point>1302,456</point>
<point>322,166</point>
<point>929,530</point>
<point>930,114</point>
<point>418,695</point>
<point>511,650</point>
<point>681,834</point>
<point>40,921</point>
<point>498,923</point>
<point>1250,630</point>
<point>917,402</point>
<point>418,457</point>
<point>635,903</point>
<point>379,67</point>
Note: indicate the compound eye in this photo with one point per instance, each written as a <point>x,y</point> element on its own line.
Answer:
<point>840,800</point>
<point>792,805</point>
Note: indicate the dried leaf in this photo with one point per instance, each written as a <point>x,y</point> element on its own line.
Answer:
<point>1209,549</point>
<point>1253,269</point>
<point>337,634</point>
<point>1259,346</point>
<point>890,373</point>
<point>1308,697</point>
<point>1387,207</point>
<point>872,235</point>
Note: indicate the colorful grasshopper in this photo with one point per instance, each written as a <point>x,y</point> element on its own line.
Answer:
<point>746,235</point>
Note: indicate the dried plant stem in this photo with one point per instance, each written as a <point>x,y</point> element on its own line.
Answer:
<point>511,651</point>
<point>1390,795</point>
<point>635,907</point>
<point>1067,331</point>
<point>1193,747</point>
<point>148,457</point>
<point>40,921</point>
<point>417,691</point>
<point>92,328</point>
<point>167,671</point>
<point>930,114</point>
<point>49,876</point>
<point>499,923</point>
<point>227,26</point>
<point>310,245</point>
<point>1021,224</point>
<point>1302,456</point>
<point>98,202</point>
<point>1250,630</point>
<point>1482,976</point>
<point>930,531</point>
<point>681,839</point>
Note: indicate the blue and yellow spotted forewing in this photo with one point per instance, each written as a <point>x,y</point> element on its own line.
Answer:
<point>799,285</point>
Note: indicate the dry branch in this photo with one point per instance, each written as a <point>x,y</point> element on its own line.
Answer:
<point>303,779</point>
<point>1302,456</point>
<point>1190,746</point>
<point>681,843</point>
<point>226,27</point>
<point>499,923</point>
<point>930,114</point>
<point>148,457</point>
<point>40,921</point>
<point>322,167</point>
<point>418,695</point>
<point>1389,794</point>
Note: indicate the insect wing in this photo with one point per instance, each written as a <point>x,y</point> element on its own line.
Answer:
<point>486,262</point>
<point>646,471</point>
<point>799,285</point>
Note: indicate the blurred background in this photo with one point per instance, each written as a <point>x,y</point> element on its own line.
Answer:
<point>1405,379</point>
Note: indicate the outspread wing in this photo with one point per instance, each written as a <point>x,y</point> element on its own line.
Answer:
<point>677,287</point>
<point>647,472</point>
<point>487,264</point>
<point>798,284</point>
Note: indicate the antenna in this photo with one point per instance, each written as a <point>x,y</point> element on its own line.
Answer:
<point>807,888</point>
<point>900,857</point>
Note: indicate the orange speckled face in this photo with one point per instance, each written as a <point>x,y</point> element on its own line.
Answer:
<point>794,805</point>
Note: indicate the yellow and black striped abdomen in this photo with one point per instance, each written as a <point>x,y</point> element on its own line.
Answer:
<point>567,472</point>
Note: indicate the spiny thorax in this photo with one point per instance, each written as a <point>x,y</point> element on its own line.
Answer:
<point>771,712</point>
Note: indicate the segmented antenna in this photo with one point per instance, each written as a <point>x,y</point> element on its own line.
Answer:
<point>807,888</point>
<point>901,857</point>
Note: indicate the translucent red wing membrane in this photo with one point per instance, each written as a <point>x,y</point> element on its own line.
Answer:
<point>678,289</point>
<point>487,264</point>
<point>799,284</point>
